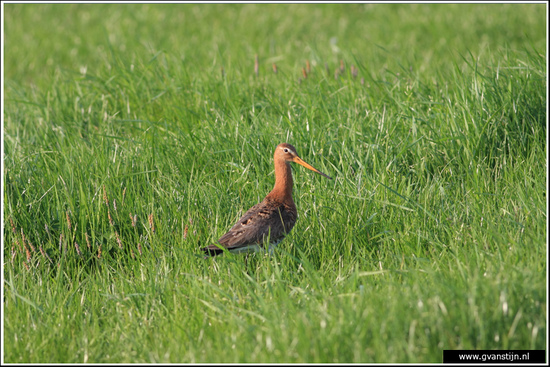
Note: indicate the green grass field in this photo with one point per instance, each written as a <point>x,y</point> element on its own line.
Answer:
<point>133,135</point>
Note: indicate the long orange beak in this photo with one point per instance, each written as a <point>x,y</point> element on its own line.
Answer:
<point>301,162</point>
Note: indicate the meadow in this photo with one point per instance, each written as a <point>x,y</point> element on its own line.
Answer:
<point>135,134</point>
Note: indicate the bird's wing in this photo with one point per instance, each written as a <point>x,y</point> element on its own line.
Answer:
<point>257,224</point>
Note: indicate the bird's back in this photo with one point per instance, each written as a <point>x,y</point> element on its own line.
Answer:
<point>269,220</point>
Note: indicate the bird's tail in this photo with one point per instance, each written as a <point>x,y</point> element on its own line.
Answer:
<point>212,250</point>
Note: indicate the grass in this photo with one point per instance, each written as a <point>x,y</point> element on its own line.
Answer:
<point>135,134</point>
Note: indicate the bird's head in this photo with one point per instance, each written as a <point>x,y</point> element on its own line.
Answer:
<point>287,153</point>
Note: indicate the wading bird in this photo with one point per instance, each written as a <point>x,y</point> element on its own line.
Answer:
<point>268,222</point>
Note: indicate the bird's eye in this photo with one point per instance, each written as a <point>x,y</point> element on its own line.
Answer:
<point>286,150</point>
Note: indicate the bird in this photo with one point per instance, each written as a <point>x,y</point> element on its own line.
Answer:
<point>268,222</point>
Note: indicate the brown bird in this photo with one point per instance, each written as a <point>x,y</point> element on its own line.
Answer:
<point>271,219</point>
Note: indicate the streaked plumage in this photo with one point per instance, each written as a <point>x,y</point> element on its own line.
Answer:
<point>271,219</point>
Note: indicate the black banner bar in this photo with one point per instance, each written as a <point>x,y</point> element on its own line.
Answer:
<point>494,356</point>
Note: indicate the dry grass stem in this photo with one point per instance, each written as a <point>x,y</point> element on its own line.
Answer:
<point>118,240</point>
<point>13,253</point>
<point>354,71</point>
<point>77,249</point>
<point>105,199</point>
<point>110,219</point>
<point>151,224</point>
<point>12,226</point>
<point>45,254</point>
<point>68,220</point>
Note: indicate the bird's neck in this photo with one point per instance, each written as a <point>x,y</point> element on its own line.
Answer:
<point>283,181</point>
